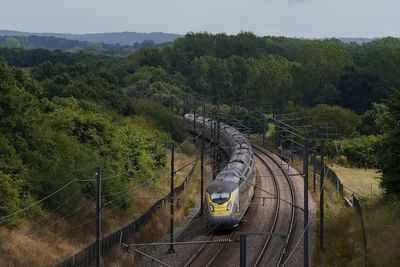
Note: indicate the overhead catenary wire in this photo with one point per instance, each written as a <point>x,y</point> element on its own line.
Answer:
<point>306,228</point>
<point>37,202</point>
<point>85,205</point>
<point>105,178</point>
<point>93,219</point>
<point>105,213</point>
<point>59,206</point>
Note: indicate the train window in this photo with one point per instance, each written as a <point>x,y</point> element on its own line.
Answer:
<point>220,197</point>
<point>246,172</point>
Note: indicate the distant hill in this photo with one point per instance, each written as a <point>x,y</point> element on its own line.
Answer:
<point>54,43</point>
<point>123,38</point>
<point>357,40</point>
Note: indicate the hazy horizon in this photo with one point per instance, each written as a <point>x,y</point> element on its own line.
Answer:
<point>182,34</point>
<point>290,18</point>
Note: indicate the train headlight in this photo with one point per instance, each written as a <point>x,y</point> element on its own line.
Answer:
<point>211,208</point>
<point>229,206</point>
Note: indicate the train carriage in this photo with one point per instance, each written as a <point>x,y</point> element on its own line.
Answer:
<point>227,197</point>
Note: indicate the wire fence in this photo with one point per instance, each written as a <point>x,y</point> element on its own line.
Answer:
<point>86,257</point>
<point>353,201</point>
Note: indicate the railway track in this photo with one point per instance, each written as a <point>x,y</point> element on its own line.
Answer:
<point>208,254</point>
<point>268,238</point>
<point>283,252</point>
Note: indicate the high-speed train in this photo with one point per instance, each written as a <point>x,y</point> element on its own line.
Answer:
<point>228,196</point>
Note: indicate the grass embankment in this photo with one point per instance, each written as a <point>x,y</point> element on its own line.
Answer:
<point>159,226</point>
<point>364,182</point>
<point>382,222</point>
<point>343,232</point>
<point>343,238</point>
<point>51,238</point>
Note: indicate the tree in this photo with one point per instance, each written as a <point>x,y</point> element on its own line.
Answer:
<point>373,120</point>
<point>9,198</point>
<point>345,120</point>
<point>389,156</point>
<point>359,88</point>
<point>322,64</point>
<point>269,81</point>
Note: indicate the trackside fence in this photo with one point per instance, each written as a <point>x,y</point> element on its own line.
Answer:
<point>86,257</point>
<point>354,201</point>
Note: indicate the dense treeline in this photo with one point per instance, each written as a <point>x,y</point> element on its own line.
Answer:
<point>58,123</point>
<point>55,43</point>
<point>277,71</point>
<point>74,110</point>
<point>266,70</point>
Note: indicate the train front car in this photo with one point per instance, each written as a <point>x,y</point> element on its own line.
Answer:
<point>227,197</point>
<point>222,198</point>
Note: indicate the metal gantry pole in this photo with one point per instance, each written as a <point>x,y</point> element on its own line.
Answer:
<point>98,216</point>
<point>321,199</point>
<point>218,143</point>
<point>194,116</point>
<point>171,233</point>
<point>305,175</point>
<point>202,163</point>
<point>242,250</point>
<point>263,129</point>
<point>214,137</point>
<point>314,170</point>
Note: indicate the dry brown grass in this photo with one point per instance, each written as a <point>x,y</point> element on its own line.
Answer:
<point>364,182</point>
<point>343,240</point>
<point>42,245</point>
<point>159,225</point>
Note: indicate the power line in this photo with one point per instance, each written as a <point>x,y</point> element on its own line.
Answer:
<point>82,206</point>
<point>38,202</point>
<point>305,228</point>
<point>57,208</point>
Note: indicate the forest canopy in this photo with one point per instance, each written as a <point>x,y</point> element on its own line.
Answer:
<point>62,113</point>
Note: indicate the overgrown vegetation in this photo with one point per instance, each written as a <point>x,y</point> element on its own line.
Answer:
<point>58,123</point>
<point>70,112</point>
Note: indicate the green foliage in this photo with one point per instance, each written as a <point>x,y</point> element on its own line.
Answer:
<point>54,43</point>
<point>358,151</point>
<point>343,119</point>
<point>322,64</point>
<point>163,117</point>
<point>54,133</point>
<point>372,121</point>
<point>67,116</point>
<point>342,160</point>
<point>9,198</point>
<point>389,156</point>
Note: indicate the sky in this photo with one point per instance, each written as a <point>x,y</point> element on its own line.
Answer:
<point>292,18</point>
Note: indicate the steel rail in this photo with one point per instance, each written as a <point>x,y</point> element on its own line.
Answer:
<point>201,248</point>
<point>293,212</point>
<point>219,251</point>
<point>268,238</point>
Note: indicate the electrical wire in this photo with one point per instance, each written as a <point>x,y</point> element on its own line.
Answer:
<point>57,208</point>
<point>38,202</point>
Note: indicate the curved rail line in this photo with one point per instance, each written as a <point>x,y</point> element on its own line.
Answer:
<point>293,211</point>
<point>218,252</point>
<point>198,252</point>
<point>267,239</point>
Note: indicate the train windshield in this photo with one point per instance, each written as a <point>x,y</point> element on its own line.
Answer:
<point>220,197</point>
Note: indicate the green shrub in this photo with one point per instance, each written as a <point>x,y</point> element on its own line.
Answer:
<point>359,151</point>
<point>164,118</point>
<point>342,160</point>
<point>9,199</point>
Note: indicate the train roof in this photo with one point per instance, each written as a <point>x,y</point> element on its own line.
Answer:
<point>221,186</point>
<point>240,153</point>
